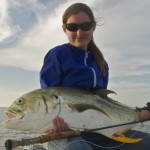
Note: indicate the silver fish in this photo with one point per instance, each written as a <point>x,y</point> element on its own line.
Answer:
<point>80,109</point>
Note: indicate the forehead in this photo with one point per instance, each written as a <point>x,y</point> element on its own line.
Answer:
<point>78,18</point>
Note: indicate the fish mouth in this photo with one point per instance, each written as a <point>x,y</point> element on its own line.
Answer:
<point>13,115</point>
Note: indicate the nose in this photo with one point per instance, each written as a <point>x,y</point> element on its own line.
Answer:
<point>79,32</point>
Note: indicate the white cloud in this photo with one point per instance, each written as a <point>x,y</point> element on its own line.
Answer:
<point>29,52</point>
<point>124,37</point>
<point>118,38</point>
<point>6,30</point>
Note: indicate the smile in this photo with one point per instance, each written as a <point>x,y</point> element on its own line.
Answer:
<point>79,38</point>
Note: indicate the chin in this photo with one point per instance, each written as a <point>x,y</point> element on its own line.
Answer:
<point>81,46</point>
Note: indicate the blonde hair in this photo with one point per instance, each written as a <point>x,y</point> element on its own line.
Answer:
<point>75,9</point>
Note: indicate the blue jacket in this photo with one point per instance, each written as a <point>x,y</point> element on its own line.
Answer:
<point>66,65</point>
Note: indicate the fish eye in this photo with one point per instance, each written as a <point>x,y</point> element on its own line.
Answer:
<point>20,101</point>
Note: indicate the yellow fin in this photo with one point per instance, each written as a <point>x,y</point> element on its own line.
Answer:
<point>123,131</point>
<point>126,139</point>
<point>120,134</point>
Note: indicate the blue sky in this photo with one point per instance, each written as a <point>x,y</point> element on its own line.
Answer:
<point>28,29</point>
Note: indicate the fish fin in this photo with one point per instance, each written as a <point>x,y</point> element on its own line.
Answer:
<point>119,136</point>
<point>103,93</point>
<point>121,132</point>
<point>84,107</point>
<point>126,139</point>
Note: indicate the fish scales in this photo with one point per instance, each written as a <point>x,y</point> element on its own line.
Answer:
<point>80,108</point>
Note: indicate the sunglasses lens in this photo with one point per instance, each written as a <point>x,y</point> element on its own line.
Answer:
<point>72,27</point>
<point>84,26</point>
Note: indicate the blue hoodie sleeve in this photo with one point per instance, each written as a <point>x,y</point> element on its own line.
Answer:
<point>50,74</point>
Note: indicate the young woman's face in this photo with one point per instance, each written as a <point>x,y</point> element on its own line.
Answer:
<point>79,38</point>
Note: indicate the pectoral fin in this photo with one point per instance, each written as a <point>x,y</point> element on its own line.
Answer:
<point>126,139</point>
<point>84,107</point>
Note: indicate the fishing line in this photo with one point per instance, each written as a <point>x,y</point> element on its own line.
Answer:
<point>98,145</point>
<point>57,146</point>
<point>52,142</point>
<point>141,125</point>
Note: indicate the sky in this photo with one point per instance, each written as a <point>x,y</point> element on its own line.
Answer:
<point>30,28</point>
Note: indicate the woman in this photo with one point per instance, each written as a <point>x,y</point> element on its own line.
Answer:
<point>78,63</point>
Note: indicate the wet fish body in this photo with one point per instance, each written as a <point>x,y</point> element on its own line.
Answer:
<point>80,108</point>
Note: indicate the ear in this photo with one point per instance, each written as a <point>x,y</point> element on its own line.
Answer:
<point>63,27</point>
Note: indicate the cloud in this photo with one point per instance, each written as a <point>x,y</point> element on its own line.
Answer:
<point>32,44</point>
<point>28,48</point>
<point>30,28</point>
<point>6,30</point>
<point>123,38</point>
<point>24,50</point>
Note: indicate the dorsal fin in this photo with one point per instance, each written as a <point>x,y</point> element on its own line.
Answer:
<point>103,93</point>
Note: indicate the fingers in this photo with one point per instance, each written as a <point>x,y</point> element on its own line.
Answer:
<point>50,131</point>
<point>59,125</point>
<point>145,114</point>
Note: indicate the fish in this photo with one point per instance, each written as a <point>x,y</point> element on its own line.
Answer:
<point>80,108</point>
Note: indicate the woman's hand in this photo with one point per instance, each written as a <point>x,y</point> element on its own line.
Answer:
<point>145,114</point>
<point>58,126</point>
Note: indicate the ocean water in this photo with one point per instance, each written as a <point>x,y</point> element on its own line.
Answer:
<point>6,134</point>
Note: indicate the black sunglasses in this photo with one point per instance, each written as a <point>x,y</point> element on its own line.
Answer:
<point>84,26</point>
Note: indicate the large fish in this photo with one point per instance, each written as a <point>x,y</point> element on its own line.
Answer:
<point>80,108</point>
